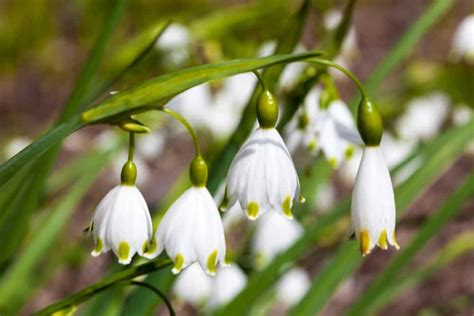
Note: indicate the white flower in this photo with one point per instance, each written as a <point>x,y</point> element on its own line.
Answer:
<point>262,176</point>
<point>337,133</point>
<point>292,287</point>
<point>193,104</point>
<point>229,281</point>
<point>373,213</point>
<point>192,285</point>
<point>122,222</point>
<point>395,150</point>
<point>273,235</point>
<point>191,230</point>
<point>423,117</point>
<point>463,41</point>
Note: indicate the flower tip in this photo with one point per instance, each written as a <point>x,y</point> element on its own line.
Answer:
<point>252,210</point>
<point>286,207</point>
<point>302,199</point>
<point>395,242</point>
<point>125,261</point>
<point>95,253</point>
<point>178,264</point>
<point>364,242</point>
<point>383,240</point>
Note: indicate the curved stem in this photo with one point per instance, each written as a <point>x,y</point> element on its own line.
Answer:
<point>88,292</point>
<point>157,292</point>
<point>131,146</point>
<point>346,71</point>
<point>260,79</point>
<point>186,124</point>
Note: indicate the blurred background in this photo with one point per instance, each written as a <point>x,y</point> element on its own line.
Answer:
<point>429,93</point>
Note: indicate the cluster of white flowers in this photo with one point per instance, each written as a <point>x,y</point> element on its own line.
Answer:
<point>463,43</point>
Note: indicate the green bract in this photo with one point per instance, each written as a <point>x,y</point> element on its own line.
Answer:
<point>267,109</point>
<point>198,172</point>
<point>369,123</point>
<point>129,173</point>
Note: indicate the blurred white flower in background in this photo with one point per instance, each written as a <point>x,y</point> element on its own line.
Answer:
<point>273,234</point>
<point>325,197</point>
<point>150,146</point>
<point>107,140</point>
<point>227,283</point>
<point>292,286</point>
<point>15,145</point>
<point>462,114</point>
<point>395,150</point>
<point>423,117</point>
<point>175,42</point>
<point>192,285</point>
<point>463,40</point>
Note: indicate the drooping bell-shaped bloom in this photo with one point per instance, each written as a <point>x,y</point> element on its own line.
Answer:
<point>192,286</point>
<point>122,222</point>
<point>229,281</point>
<point>191,230</point>
<point>373,213</point>
<point>293,286</point>
<point>262,176</point>
<point>273,234</point>
<point>463,43</point>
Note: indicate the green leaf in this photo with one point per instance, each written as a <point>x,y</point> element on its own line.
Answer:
<point>136,99</point>
<point>30,257</point>
<point>460,245</point>
<point>433,224</point>
<point>261,281</point>
<point>406,44</point>
<point>104,284</point>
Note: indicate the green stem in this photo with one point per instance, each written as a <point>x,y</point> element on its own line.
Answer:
<point>260,79</point>
<point>186,124</point>
<point>131,147</point>
<point>104,284</point>
<point>157,292</point>
<point>346,71</point>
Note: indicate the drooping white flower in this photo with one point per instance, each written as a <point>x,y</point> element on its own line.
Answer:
<point>336,132</point>
<point>122,222</point>
<point>192,286</point>
<point>423,117</point>
<point>463,43</point>
<point>229,281</point>
<point>292,287</point>
<point>262,176</point>
<point>273,234</point>
<point>373,213</point>
<point>191,230</point>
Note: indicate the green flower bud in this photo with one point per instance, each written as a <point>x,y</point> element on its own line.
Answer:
<point>129,173</point>
<point>267,109</point>
<point>369,123</point>
<point>133,126</point>
<point>198,172</point>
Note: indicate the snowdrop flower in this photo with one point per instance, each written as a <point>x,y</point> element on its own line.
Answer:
<point>191,230</point>
<point>273,235</point>
<point>262,175</point>
<point>423,117</point>
<point>373,213</point>
<point>336,132</point>
<point>192,285</point>
<point>229,281</point>
<point>292,287</point>
<point>463,43</point>
<point>121,221</point>
<point>462,114</point>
